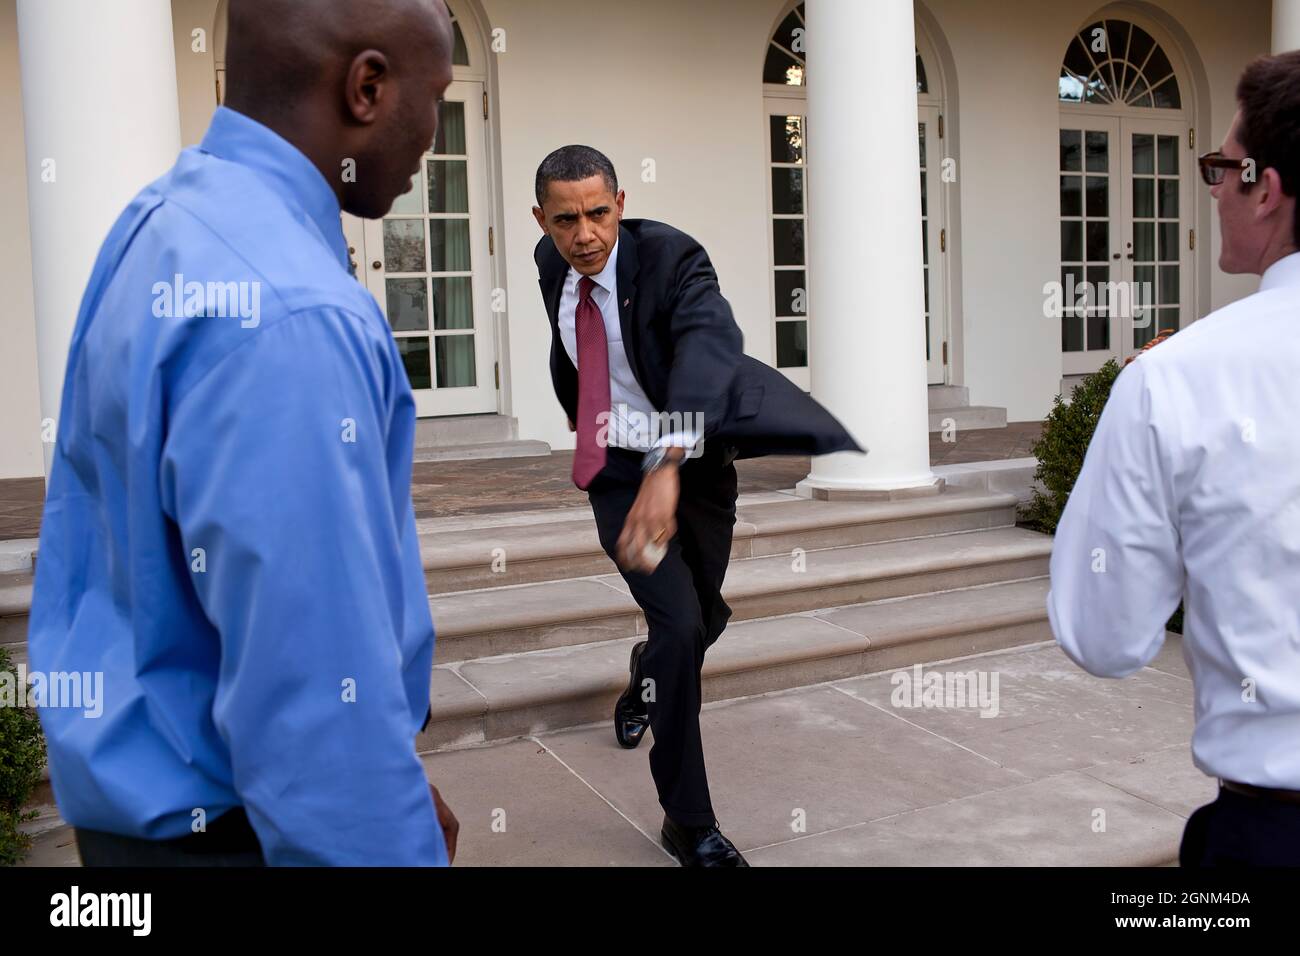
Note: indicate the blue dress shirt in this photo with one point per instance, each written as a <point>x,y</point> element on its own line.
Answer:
<point>228,534</point>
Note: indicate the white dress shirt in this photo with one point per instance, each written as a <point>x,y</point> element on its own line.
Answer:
<point>630,410</point>
<point>1191,489</point>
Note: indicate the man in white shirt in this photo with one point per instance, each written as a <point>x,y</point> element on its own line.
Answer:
<point>1190,491</point>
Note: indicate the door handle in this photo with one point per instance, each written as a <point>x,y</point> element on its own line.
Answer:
<point>376,264</point>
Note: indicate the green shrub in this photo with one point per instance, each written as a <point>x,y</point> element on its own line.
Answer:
<point>1067,431</point>
<point>22,755</point>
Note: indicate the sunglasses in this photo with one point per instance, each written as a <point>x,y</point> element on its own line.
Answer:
<point>1215,166</point>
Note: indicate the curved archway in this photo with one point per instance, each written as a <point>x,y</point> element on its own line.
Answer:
<point>784,78</point>
<point>1128,207</point>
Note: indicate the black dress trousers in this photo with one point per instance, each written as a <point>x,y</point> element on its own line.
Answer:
<point>1242,830</point>
<point>684,610</point>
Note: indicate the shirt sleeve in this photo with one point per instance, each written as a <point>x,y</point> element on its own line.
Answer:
<point>276,470</point>
<point>1116,568</point>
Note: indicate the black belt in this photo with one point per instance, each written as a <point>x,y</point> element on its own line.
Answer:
<point>1261,793</point>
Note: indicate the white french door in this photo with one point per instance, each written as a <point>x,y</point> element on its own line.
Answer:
<point>427,264</point>
<point>1125,201</point>
<point>933,240</point>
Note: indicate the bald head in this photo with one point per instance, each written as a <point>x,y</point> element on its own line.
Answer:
<point>356,80</point>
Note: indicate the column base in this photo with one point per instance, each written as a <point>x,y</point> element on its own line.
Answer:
<point>810,488</point>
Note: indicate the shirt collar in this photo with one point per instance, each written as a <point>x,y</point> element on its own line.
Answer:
<point>607,277</point>
<point>1284,272</point>
<point>241,139</point>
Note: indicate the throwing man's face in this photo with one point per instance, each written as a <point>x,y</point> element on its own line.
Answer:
<point>582,218</point>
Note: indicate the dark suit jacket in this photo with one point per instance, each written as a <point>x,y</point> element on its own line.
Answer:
<point>684,348</point>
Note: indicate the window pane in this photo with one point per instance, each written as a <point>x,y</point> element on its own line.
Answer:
<point>1168,241</point>
<point>408,304</point>
<point>1098,241</point>
<point>1072,333</point>
<point>787,190</point>
<point>1071,196</point>
<point>1168,199</point>
<point>1144,153</point>
<point>791,292</point>
<point>791,344</point>
<point>1166,95</point>
<point>1099,197</point>
<point>459,52</point>
<point>1168,155</point>
<point>1071,241</point>
<point>1098,150</point>
<point>455,354</point>
<point>1169,285</point>
<point>1071,150</point>
<point>411,202</point>
<point>1144,198</point>
<point>451,128</point>
<point>448,185</point>
<point>1098,332</point>
<point>1144,241</point>
<point>453,303</point>
<point>787,138</point>
<point>415,358</point>
<point>449,245</point>
<point>780,67</point>
<point>1167,319</point>
<point>404,245</point>
<point>787,242</point>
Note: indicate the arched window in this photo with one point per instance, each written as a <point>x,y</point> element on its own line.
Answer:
<point>1114,61</point>
<point>1126,207</point>
<point>785,76</point>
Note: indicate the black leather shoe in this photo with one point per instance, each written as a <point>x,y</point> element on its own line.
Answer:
<point>699,846</point>
<point>631,713</point>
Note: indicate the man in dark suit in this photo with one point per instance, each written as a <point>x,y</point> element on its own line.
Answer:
<point>646,361</point>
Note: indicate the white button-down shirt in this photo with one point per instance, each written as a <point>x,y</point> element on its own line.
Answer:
<point>1191,487</point>
<point>633,420</point>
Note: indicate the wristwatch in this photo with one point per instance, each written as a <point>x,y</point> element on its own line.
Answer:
<point>657,458</point>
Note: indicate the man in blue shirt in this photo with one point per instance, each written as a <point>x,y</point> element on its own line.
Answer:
<point>228,535</point>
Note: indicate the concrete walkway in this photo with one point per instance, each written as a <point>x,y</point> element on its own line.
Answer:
<point>1072,770</point>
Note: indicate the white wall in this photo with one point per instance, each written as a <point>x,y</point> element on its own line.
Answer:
<point>21,454</point>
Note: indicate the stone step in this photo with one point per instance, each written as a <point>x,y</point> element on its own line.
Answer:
<point>968,418</point>
<point>529,617</point>
<point>465,430</point>
<point>481,450</point>
<point>948,396</point>
<point>497,550</point>
<point>514,694</point>
<point>460,554</point>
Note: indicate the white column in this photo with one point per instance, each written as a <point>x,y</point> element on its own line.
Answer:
<point>101,120</point>
<point>1286,25</point>
<point>867,301</point>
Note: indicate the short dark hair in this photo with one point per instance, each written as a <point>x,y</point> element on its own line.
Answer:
<point>569,164</point>
<point>1269,94</point>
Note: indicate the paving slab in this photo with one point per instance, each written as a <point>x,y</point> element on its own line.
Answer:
<point>1047,716</point>
<point>814,758</point>
<point>519,806</point>
<point>1068,819</point>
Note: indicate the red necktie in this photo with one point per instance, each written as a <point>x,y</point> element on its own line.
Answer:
<point>593,384</point>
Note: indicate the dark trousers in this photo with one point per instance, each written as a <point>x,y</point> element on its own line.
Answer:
<point>684,610</point>
<point>228,840</point>
<point>1242,830</point>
